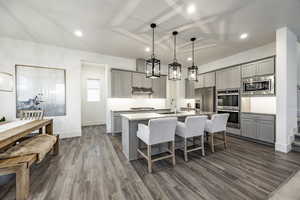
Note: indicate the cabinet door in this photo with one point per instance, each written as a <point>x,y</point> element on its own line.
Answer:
<point>117,124</point>
<point>249,70</point>
<point>120,84</point>
<point>210,79</point>
<point>221,80</point>
<point>189,89</point>
<point>249,128</point>
<point>234,80</point>
<point>159,87</point>
<point>200,82</point>
<point>266,67</point>
<point>266,131</point>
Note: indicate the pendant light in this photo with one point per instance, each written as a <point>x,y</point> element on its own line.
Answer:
<point>193,70</point>
<point>174,69</point>
<point>152,64</point>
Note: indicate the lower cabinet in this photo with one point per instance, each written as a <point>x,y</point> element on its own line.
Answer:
<point>258,126</point>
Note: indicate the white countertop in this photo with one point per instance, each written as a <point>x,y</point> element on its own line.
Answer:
<point>147,116</point>
<point>139,110</point>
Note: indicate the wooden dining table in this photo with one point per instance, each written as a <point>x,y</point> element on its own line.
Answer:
<point>14,134</point>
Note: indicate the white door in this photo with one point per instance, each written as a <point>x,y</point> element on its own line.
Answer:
<point>93,95</point>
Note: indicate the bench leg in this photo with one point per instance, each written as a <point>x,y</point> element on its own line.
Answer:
<point>56,146</point>
<point>22,182</point>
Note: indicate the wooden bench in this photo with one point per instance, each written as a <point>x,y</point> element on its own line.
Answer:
<point>21,167</point>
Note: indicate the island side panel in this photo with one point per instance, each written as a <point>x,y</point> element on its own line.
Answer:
<point>129,137</point>
<point>125,137</point>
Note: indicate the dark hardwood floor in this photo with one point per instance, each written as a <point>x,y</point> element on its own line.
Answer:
<point>93,167</point>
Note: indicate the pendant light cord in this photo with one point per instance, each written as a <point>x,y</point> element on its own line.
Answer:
<point>193,44</point>
<point>175,48</point>
<point>153,42</point>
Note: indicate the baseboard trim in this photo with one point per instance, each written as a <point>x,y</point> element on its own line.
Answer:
<point>92,123</point>
<point>69,134</point>
<point>284,148</point>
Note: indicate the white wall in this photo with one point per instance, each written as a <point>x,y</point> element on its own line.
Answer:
<point>286,90</point>
<point>93,113</point>
<point>28,53</point>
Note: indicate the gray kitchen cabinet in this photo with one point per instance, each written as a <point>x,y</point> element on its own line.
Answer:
<point>140,80</point>
<point>228,78</point>
<point>266,131</point>
<point>249,128</point>
<point>120,84</point>
<point>234,77</point>
<point>258,126</point>
<point>266,67</point>
<point>117,124</point>
<point>200,83</point>
<point>249,70</point>
<point>189,89</point>
<point>221,80</point>
<point>209,79</point>
<point>259,68</point>
<point>159,87</point>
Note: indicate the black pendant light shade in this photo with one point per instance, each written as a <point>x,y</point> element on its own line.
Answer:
<point>174,68</point>
<point>152,64</point>
<point>193,70</point>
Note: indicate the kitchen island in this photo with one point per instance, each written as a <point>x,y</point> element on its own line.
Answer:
<point>130,123</point>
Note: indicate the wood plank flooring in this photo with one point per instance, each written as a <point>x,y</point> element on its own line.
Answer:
<point>94,167</point>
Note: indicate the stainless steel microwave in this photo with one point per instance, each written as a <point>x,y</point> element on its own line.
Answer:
<point>263,85</point>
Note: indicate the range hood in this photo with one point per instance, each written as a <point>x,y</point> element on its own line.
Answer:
<point>141,91</point>
<point>140,67</point>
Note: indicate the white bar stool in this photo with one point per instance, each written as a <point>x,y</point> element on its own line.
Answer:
<point>217,125</point>
<point>191,128</point>
<point>158,131</point>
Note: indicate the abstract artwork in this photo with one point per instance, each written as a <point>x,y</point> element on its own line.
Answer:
<point>41,88</point>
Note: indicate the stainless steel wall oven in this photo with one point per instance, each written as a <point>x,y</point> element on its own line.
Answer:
<point>228,101</point>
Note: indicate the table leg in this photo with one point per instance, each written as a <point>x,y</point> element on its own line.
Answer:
<point>49,128</point>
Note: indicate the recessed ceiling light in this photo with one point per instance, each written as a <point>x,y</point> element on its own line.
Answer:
<point>191,9</point>
<point>244,36</point>
<point>189,59</point>
<point>147,49</point>
<point>78,33</point>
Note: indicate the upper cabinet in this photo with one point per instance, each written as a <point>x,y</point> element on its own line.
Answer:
<point>229,78</point>
<point>260,68</point>
<point>266,67</point>
<point>206,80</point>
<point>159,87</point>
<point>189,89</point>
<point>140,80</point>
<point>121,84</point>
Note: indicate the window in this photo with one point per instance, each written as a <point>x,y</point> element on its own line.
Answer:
<point>93,90</point>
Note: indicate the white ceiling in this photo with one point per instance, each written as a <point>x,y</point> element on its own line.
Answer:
<point>121,27</point>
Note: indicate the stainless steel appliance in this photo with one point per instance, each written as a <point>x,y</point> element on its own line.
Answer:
<point>264,85</point>
<point>234,118</point>
<point>228,101</point>
<point>205,99</point>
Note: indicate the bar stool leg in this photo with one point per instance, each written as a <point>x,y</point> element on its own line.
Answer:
<point>202,145</point>
<point>225,139</point>
<point>173,152</point>
<point>185,150</point>
<point>212,142</point>
<point>149,159</point>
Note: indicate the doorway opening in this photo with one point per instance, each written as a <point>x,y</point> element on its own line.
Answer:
<point>93,94</point>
